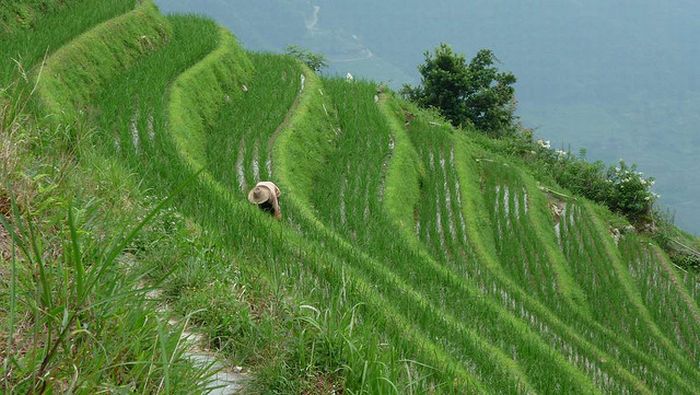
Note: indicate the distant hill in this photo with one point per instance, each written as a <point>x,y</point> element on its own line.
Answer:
<point>617,78</point>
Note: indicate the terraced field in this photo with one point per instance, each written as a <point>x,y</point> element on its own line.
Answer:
<point>412,258</point>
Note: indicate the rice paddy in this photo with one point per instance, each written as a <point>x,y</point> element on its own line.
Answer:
<point>410,259</point>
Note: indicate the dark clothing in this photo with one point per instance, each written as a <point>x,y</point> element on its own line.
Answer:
<point>267,207</point>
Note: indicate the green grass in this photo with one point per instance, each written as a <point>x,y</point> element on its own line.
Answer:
<point>50,30</point>
<point>509,292</point>
<point>467,262</point>
<point>77,317</point>
<point>392,254</point>
<point>665,298</point>
<point>77,70</point>
<point>588,247</point>
<point>249,123</point>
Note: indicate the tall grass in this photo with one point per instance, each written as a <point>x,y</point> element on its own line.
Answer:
<point>75,71</point>
<point>671,308</point>
<point>453,242</point>
<point>411,301</point>
<point>224,218</point>
<point>52,30</point>
<point>491,278</point>
<point>587,242</point>
<point>250,121</point>
<point>77,317</point>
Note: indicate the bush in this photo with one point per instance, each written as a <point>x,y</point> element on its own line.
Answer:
<point>467,93</point>
<point>630,193</point>
<point>315,61</point>
<point>621,188</point>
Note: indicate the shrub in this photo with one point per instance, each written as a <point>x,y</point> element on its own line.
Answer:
<point>467,93</point>
<point>315,61</point>
<point>621,188</point>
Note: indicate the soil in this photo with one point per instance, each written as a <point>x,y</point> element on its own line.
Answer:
<point>5,244</point>
<point>285,122</point>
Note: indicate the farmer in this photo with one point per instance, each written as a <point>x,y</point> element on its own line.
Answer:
<point>266,195</point>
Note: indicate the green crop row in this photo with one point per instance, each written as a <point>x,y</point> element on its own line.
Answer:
<point>671,308</point>
<point>591,253</point>
<point>582,313</point>
<point>251,121</point>
<point>299,155</point>
<point>435,283</point>
<point>49,29</point>
<point>409,260</point>
<point>278,245</point>
<point>77,69</point>
<point>479,272</point>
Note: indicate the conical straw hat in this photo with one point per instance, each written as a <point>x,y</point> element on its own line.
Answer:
<point>259,195</point>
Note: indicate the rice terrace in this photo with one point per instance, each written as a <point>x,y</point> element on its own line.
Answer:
<point>412,256</point>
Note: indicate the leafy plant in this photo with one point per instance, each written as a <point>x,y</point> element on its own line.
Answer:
<point>473,93</point>
<point>315,61</point>
<point>76,310</point>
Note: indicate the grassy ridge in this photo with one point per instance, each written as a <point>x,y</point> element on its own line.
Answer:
<point>47,29</point>
<point>534,308</point>
<point>94,329</point>
<point>555,333</point>
<point>428,283</point>
<point>250,121</point>
<point>637,362</point>
<point>587,252</point>
<point>634,298</point>
<point>73,73</point>
<point>670,307</point>
<point>279,248</point>
<point>198,94</point>
<point>587,354</point>
<point>310,136</point>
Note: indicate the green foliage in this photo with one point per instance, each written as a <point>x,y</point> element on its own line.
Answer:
<point>24,14</point>
<point>621,188</point>
<point>630,192</point>
<point>76,317</point>
<point>74,72</point>
<point>199,92</point>
<point>473,93</point>
<point>315,61</point>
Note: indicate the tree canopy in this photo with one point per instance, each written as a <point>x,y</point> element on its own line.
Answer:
<point>475,93</point>
<point>315,61</point>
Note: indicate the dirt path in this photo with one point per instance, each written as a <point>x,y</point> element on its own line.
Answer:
<point>5,241</point>
<point>224,379</point>
<point>285,122</point>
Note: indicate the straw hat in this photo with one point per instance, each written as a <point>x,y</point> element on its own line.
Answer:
<point>259,195</point>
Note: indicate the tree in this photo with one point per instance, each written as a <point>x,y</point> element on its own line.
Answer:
<point>466,93</point>
<point>315,61</point>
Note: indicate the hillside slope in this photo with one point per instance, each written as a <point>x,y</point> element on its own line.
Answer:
<point>412,258</point>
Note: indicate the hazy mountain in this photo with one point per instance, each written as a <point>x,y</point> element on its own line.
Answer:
<point>617,78</point>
